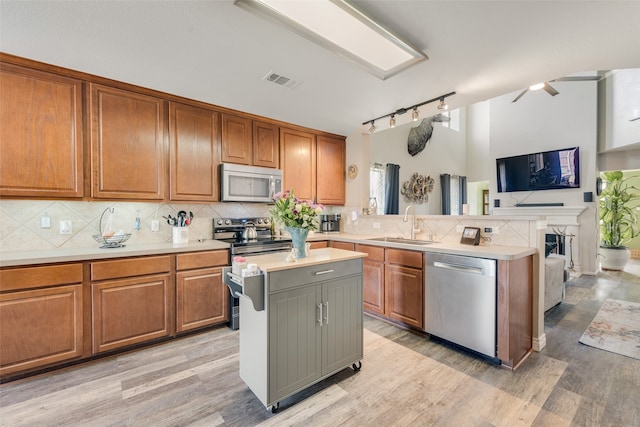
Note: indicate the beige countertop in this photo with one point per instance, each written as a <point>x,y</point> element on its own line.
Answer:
<point>278,261</point>
<point>16,258</point>
<point>23,258</point>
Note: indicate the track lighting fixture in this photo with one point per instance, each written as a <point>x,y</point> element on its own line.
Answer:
<point>414,114</point>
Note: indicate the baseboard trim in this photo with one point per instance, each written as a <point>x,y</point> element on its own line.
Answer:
<point>539,343</point>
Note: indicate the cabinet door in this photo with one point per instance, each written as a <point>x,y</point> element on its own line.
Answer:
<point>404,290</point>
<point>294,339</point>
<point>201,299</point>
<point>127,144</point>
<point>298,162</point>
<point>331,156</point>
<point>373,272</point>
<point>266,147</point>
<point>193,153</point>
<point>131,311</point>
<point>40,327</point>
<point>237,140</point>
<point>342,319</point>
<point>41,134</point>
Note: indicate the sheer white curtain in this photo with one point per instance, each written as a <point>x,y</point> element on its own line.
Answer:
<point>376,185</point>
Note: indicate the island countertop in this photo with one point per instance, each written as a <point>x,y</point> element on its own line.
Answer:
<point>278,261</point>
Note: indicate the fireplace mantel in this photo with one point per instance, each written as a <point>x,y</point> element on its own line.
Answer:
<point>554,215</point>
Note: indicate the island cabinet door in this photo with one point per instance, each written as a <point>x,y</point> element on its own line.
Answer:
<point>295,335</point>
<point>342,323</point>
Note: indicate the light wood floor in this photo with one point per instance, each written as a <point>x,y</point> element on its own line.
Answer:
<point>406,380</point>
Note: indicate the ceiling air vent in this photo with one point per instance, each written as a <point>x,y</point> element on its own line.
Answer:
<point>280,80</point>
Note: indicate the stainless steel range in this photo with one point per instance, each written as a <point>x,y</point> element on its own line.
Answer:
<point>247,236</point>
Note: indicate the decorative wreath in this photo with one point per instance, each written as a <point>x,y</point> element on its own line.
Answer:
<point>417,189</point>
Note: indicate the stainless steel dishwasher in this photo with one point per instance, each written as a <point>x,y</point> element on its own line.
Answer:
<point>460,301</point>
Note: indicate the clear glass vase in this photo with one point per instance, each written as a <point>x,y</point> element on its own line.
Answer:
<point>298,239</point>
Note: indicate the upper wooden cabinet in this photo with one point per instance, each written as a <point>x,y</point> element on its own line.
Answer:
<point>266,147</point>
<point>330,181</point>
<point>41,134</point>
<point>298,162</point>
<point>236,139</point>
<point>193,153</point>
<point>127,144</point>
<point>248,142</point>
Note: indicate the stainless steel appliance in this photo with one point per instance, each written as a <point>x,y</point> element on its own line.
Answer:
<point>330,223</point>
<point>247,236</point>
<point>240,183</point>
<point>460,301</point>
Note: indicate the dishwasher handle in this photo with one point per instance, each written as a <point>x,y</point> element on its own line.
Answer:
<point>459,267</point>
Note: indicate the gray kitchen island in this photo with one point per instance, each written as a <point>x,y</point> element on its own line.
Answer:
<point>300,322</point>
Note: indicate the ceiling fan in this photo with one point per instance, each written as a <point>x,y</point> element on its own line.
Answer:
<point>551,90</point>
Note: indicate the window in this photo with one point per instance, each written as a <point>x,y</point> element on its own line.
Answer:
<point>376,185</point>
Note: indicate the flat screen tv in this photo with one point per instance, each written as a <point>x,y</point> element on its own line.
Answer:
<point>548,170</point>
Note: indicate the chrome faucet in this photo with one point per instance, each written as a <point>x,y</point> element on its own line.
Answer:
<point>413,220</point>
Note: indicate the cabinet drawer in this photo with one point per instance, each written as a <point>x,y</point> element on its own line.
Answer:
<point>402,257</point>
<point>202,259</point>
<point>287,279</point>
<point>40,277</point>
<point>341,245</point>
<point>103,270</point>
<point>376,253</point>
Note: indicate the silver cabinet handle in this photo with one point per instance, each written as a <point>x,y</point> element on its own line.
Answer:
<point>320,313</point>
<point>458,267</point>
<point>326,312</point>
<point>318,273</point>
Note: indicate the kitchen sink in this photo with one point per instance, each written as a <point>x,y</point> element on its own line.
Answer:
<point>401,240</point>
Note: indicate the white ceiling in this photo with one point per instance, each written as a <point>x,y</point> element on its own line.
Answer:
<point>216,52</point>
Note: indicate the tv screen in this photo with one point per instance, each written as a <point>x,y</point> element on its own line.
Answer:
<point>547,170</point>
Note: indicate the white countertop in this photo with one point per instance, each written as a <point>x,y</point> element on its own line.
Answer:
<point>16,258</point>
<point>278,261</point>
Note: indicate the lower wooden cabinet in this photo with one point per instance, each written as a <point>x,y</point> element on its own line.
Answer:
<point>202,299</point>
<point>319,244</point>
<point>42,325</point>
<point>134,309</point>
<point>373,278</point>
<point>342,245</point>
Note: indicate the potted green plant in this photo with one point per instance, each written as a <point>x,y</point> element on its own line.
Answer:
<point>618,220</point>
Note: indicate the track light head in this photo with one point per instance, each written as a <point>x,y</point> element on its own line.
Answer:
<point>392,121</point>
<point>373,127</point>
<point>443,105</point>
<point>415,114</point>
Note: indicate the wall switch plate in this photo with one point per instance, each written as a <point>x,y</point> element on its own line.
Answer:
<point>45,222</point>
<point>488,230</point>
<point>376,225</point>
<point>65,227</point>
<point>155,225</point>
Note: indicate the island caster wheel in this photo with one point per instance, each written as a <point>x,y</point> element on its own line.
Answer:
<point>274,408</point>
<point>356,366</point>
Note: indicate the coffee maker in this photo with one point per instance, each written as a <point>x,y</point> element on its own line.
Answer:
<point>330,223</point>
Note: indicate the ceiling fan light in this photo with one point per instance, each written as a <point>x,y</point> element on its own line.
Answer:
<point>536,86</point>
<point>415,114</point>
<point>443,105</point>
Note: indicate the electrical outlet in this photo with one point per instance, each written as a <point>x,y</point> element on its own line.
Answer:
<point>376,225</point>
<point>155,225</point>
<point>495,230</point>
<point>459,228</point>
<point>488,230</point>
<point>45,222</point>
<point>66,227</point>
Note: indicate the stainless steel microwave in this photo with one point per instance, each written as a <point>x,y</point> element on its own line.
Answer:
<point>240,183</point>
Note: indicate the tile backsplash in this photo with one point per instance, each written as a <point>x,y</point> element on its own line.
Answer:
<point>20,221</point>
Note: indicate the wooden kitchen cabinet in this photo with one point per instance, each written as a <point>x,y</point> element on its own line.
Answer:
<point>298,162</point>
<point>193,153</point>
<point>347,246</point>
<point>41,314</point>
<point>237,139</point>
<point>41,134</point>
<point>266,145</point>
<point>127,144</point>
<point>132,301</point>
<point>319,244</point>
<point>404,287</point>
<point>202,299</point>
<point>330,180</point>
<point>373,278</point>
